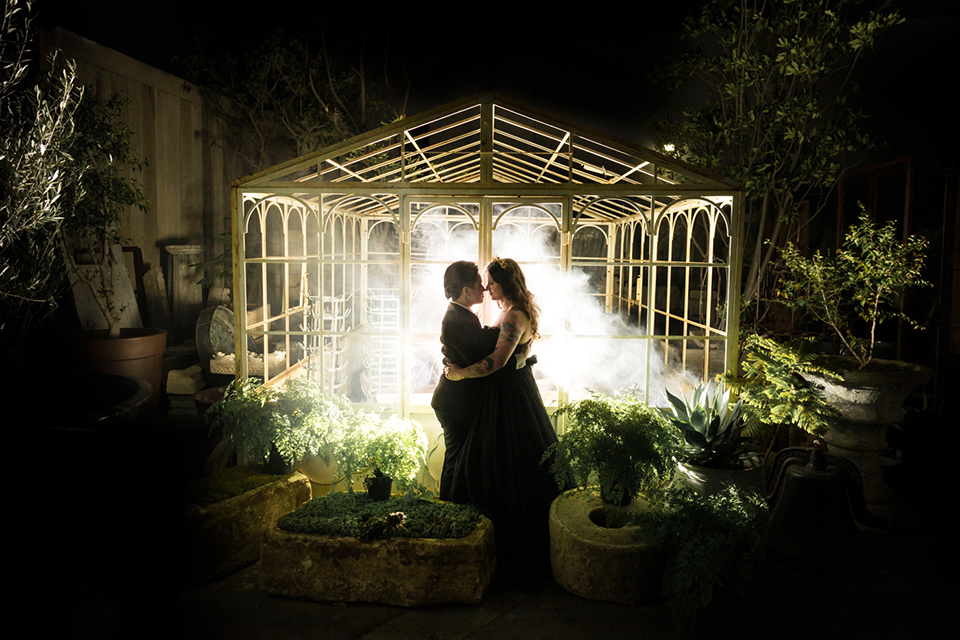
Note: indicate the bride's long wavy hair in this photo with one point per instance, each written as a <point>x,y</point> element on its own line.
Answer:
<point>506,273</point>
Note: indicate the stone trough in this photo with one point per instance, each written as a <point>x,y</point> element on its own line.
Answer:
<point>399,571</point>
<point>224,537</point>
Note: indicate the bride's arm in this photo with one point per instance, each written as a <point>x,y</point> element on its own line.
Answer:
<point>511,330</point>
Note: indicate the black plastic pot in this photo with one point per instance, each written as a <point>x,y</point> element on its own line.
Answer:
<point>378,486</point>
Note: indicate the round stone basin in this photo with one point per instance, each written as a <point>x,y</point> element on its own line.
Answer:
<point>600,562</point>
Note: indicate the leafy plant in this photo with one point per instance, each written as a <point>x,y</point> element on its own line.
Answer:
<point>705,544</point>
<point>298,420</point>
<point>776,116</point>
<point>861,282</point>
<point>774,390</point>
<point>710,425</point>
<point>97,201</point>
<point>619,443</point>
<point>36,168</point>
<point>397,447</point>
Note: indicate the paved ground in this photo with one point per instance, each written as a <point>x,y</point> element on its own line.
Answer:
<point>135,586</point>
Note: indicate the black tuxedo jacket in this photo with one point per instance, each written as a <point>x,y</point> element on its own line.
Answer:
<point>464,342</point>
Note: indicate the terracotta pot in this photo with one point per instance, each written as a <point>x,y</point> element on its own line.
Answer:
<point>869,401</point>
<point>137,352</point>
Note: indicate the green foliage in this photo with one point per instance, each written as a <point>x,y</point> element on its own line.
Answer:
<point>300,420</point>
<point>710,426</point>
<point>773,388</point>
<point>36,167</point>
<point>250,417</point>
<point>106,190</point>
<point>620,443</point>
<point>354,515</point>
<point>229,483</point>
<point>705,544</point>
<point>397,447</point>
<point>777,115</point>
<point>861,282</point>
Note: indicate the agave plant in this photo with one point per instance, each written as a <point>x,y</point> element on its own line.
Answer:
<point>710,426</point>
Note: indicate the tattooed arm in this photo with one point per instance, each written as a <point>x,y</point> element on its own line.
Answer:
<point>512,328</point>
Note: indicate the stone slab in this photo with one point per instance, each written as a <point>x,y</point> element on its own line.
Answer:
<point>223,537</point>
<point>185,381</point>
<point>399,571</point>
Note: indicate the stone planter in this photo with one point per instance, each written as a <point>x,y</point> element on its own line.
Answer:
<point>399,571</point>
<point>869,401</point>
<point>596,562</point>
<point>224,537</point>
<point>706,481</point>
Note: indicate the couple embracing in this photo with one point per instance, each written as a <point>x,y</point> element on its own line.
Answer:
<point>494,423</point>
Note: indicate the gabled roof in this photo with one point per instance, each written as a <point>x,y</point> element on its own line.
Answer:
<point>486,145</point>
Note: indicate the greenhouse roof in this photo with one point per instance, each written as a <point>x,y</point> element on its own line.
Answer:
<point>490,146</point>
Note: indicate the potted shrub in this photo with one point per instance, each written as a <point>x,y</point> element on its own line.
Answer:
<point>90,241</point>
<point>714,450</point>
<point>859,287</point>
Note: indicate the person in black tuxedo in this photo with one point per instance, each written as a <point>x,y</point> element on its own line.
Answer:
<point>464,342</point>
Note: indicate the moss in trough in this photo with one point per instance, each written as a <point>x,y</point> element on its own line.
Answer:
<point>346,514</point>
<point>229,483</point>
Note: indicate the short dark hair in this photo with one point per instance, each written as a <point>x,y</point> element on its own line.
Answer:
<point>458,275</point>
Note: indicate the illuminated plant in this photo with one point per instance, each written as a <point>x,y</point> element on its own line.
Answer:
<point>710,426</point>
<point>394,447</point>
<point>774,390</point>
<point>297,420</point>
<point>36,167</point>
<point>619,443</point>
<point>860,283</point>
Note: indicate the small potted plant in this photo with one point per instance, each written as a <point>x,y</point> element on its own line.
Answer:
<point>714,450</point>
<point>620,444</point>
<point>382,452</point>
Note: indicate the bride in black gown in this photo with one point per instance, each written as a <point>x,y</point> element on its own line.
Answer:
<point>499,468</point>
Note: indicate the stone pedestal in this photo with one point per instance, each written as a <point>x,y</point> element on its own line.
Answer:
<point>226,536</point>
<point>399,571</point>
<point>869,401</point>
<point>596,562</point>
<point>187,295</point>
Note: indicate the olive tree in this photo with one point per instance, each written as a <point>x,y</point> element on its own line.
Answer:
<point>36,169</point>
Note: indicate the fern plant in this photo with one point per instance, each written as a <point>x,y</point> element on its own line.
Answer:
<point>774,390</point>
<point>396,447</point>
<point>619,443</point>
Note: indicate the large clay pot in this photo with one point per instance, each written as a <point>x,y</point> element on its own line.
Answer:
<point>137,352</point>
<point>869,401</point>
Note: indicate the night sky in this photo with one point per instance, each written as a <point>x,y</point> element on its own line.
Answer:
<point>586,63</point>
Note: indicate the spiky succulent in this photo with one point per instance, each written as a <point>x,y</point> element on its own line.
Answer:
<point>710,426</point>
